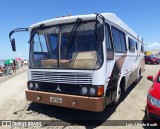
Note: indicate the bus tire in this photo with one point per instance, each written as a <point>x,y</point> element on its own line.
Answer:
<point>138,76</point>
<point>117,100</point>
<point>120,92</point>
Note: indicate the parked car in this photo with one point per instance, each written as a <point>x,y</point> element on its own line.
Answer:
<point>152,60</point>
<point>25,62</point>
<point>153,99</point>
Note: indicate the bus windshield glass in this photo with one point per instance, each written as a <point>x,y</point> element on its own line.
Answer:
<point>55,47</point>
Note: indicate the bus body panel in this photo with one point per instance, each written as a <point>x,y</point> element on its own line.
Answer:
<point>127,65</point>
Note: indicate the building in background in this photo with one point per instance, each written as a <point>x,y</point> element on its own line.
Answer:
<point>153,52</point>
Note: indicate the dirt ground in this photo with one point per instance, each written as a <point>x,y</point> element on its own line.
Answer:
<point>15,107</point>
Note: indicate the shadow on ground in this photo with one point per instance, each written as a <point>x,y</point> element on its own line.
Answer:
<point>77,117</point>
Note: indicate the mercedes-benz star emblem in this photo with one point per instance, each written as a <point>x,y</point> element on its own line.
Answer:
<point>58,89</point>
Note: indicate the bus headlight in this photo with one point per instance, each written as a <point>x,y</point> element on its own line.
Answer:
<point>36,86</point>
<point>30,86</point>
<point>84,90</point>
<point>92,91</point>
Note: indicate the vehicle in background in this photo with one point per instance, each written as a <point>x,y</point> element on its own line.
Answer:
<point>81,62</point>
<point>152,60</point>
<point>25,62</point>
<point>153,99</point>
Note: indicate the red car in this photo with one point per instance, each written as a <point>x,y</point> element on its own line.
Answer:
<point>152,60</point>
<point>153,100</point>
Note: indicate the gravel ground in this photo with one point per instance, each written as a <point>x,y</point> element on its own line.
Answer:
<point>15,107</point>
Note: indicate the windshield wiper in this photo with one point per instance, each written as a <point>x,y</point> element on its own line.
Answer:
<point>35,32</point>
<point>69,43</point>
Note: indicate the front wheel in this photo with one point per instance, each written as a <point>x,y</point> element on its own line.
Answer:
<point>118,98</point>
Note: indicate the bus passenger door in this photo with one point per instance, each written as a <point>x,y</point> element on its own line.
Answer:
<point>110,61</point>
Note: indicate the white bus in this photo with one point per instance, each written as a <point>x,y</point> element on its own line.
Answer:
<point>83,62</point>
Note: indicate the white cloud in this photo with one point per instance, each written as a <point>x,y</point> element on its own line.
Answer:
<point>152,46</point>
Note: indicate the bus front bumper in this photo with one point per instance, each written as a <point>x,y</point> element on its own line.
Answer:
<point>95,104</point>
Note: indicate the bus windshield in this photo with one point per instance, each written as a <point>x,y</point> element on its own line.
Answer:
<point>53,47</point>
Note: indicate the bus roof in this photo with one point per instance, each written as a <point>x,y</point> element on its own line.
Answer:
<point>67,19</point>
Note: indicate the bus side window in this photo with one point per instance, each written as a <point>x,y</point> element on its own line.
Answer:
<point>109,46</point>
<point>136,45</point>
<point>119,40</point>
<point>132,45</point>
<point>122,41</point>
<point>142,48</point>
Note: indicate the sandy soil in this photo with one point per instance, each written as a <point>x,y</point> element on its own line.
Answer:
<point>15,107</point>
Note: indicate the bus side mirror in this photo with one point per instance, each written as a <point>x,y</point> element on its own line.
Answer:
<point>150,78</point>
<point>100,33</point>
<point>13,44</point>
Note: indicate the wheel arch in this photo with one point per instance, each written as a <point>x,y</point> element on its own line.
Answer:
<point>139,71</point>
<point>121,83</point>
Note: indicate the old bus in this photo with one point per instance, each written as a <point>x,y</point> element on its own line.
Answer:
<point>83,62</point>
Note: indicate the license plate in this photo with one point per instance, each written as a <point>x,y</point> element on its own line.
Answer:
<point>55,99</point>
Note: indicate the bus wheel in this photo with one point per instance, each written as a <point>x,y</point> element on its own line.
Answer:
<point>138,77</point>
<point>118,98</point>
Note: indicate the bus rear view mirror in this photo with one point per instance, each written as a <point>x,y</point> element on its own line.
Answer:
<point>100,33</point>
<point>13,44</point>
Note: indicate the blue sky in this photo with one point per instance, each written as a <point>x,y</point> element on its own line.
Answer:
<point>141,15</point>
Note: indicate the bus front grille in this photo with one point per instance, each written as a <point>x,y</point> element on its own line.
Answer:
<point>62,77</point>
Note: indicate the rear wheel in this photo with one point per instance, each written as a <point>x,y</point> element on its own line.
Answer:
<point>138,77</point>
